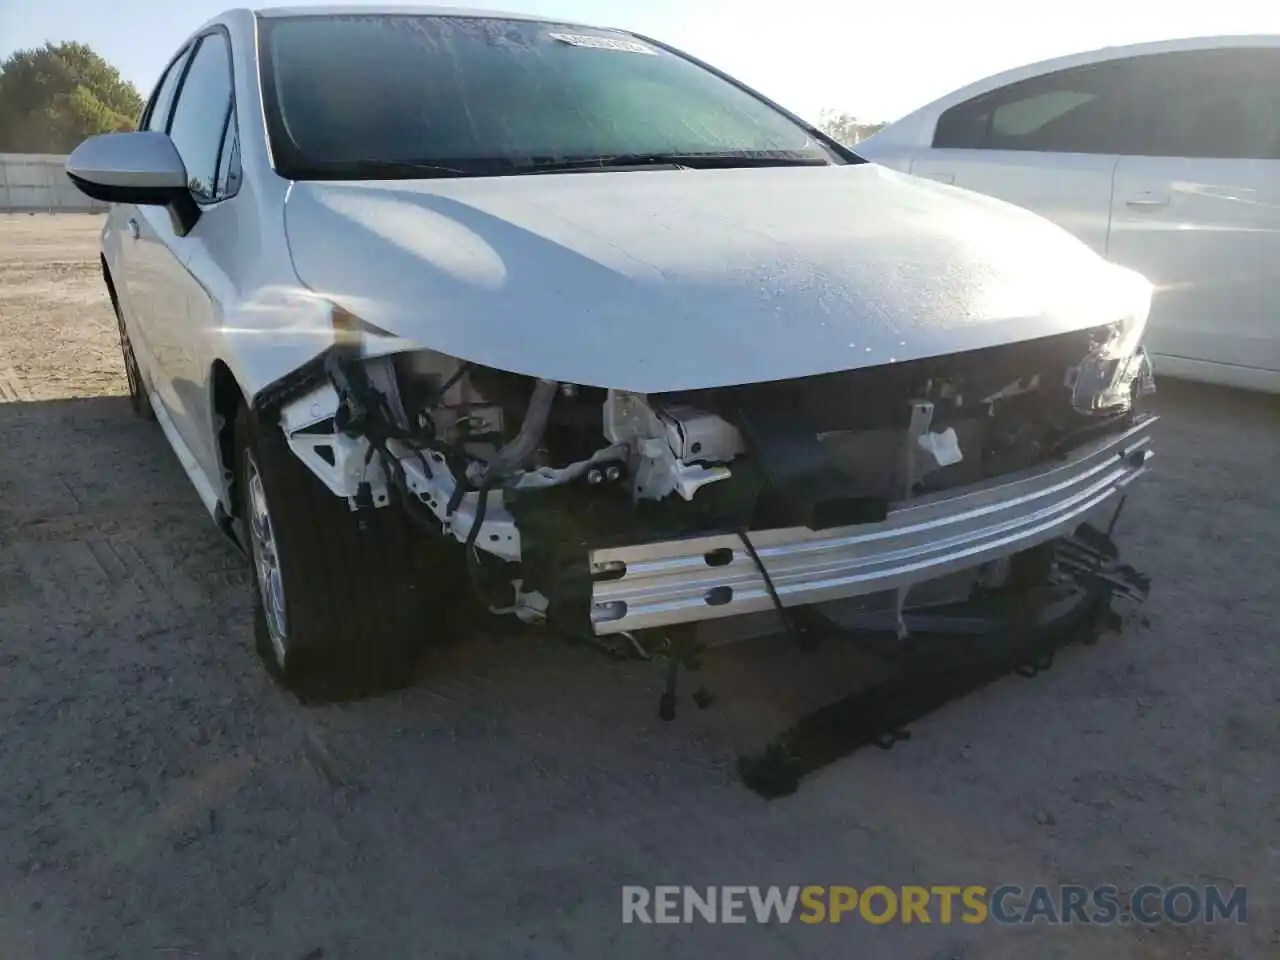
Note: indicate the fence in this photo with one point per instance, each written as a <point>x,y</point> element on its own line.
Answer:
<point>37,182</point>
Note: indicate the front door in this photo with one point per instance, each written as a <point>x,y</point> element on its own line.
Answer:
<point>181,310</point>
<point>1199,215</point>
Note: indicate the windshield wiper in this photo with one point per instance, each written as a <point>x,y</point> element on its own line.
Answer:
<point>376,168</point>
<point>687,161</point>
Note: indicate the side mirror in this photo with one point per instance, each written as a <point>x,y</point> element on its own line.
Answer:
<point>142,167</point>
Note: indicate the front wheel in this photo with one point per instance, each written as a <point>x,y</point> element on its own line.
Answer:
<point>345,601</point>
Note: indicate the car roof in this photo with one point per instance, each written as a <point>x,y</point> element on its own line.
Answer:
<point>338,9</point>
<point>241,19</point>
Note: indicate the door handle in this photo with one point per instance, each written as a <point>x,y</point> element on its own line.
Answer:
<point>134,230</point>
<point>940,177</point>
<point>1148,198</point>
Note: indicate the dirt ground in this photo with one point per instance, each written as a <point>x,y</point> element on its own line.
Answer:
<point>160,798</point>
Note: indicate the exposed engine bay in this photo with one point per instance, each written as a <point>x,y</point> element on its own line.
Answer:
<point>534,477</point>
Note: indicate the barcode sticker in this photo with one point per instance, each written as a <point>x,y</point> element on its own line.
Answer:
<point>604,43</point>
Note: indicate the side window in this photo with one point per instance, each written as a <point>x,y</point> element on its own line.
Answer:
<point>156,116</point>
<point>1022,118</point>
<point>1094,109</point>
<point>1216,104</point>
<point>200,115</point>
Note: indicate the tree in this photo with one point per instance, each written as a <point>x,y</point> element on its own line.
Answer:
<point>54,96</point>
<point>845,127</point>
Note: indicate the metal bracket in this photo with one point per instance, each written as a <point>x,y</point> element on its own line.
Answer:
<point>685,652</point>
<point>921,421</point>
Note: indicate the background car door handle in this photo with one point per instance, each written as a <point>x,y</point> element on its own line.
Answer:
<point>134,231</point>
<point>1149,198</point>
<point>939,176</point>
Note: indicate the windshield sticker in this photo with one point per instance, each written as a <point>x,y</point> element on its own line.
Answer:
<point>603,43</point>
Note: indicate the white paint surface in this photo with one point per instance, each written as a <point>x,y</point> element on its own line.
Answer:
<point>667,280</point>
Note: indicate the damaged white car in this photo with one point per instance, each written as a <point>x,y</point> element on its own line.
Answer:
<point>435,304</point>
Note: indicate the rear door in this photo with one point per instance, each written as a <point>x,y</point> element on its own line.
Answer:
<point>1050,143</point>
<point>1198,211</point>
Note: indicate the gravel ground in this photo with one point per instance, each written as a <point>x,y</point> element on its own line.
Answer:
<point>159,798</point>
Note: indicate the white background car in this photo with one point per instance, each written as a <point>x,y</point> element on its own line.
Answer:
<point>1164,157</point>
<point>561,310</point>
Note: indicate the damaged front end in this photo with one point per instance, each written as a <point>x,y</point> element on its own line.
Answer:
<point>895,487</point>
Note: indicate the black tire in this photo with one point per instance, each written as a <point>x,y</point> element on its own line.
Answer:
<point>363,591</point>
<point>138,400</point>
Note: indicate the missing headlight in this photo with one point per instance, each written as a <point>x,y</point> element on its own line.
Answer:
<point>1114,369</point>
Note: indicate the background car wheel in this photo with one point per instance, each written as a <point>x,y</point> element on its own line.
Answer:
<point>345,601</point>
<point>138,399</point>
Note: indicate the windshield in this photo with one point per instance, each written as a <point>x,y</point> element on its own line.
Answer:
<point>417,96</point>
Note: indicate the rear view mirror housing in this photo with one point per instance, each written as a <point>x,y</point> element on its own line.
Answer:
<point>143,168</point>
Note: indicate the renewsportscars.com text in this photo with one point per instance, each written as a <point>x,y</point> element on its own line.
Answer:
<point>1005,904</point>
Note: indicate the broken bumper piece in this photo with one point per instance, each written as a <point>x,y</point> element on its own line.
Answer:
<point>702,578</point>
<point>934,670</point>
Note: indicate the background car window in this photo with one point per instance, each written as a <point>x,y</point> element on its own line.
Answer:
<point>1206,103</point>
<point>200,115</point>
<point>1096,109</point>
<point>156,116</point>
<point>1216,103</point>
<point>1024,117</point>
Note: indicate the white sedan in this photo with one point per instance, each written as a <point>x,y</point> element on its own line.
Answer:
<point>433,305</point>
<point>1163,157</point>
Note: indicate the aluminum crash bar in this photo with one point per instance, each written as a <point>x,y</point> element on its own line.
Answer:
<point>703,578</point>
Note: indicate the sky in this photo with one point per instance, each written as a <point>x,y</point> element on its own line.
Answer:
<point>877,61</point>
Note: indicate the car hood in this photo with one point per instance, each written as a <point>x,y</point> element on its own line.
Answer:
<point>683,279</point>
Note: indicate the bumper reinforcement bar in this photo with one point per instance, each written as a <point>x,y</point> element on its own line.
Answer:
<point>701,578</point>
